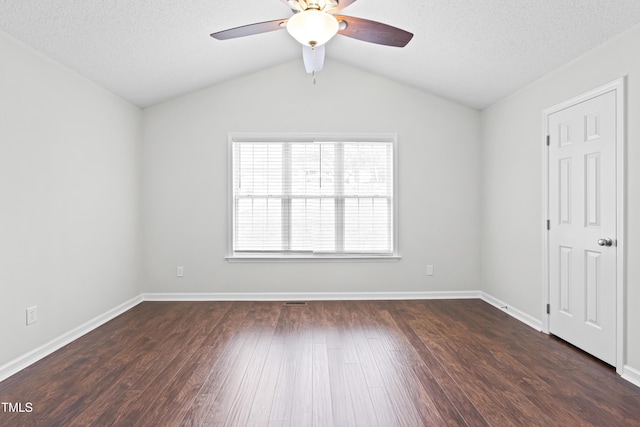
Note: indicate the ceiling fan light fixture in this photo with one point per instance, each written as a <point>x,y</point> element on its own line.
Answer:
<point>312,27</point>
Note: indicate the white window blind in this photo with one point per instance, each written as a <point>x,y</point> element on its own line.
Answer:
<point>312,198</point>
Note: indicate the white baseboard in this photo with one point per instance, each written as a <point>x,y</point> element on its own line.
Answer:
<point>513,312</point>
<point>309,296</point>
<point>631,374</point>
<point>41,352</point>
<point>33,356</point>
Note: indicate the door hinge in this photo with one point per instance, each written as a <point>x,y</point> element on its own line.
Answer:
<point>548,308</point>
<point>548,140</point>
<point>548,224</point>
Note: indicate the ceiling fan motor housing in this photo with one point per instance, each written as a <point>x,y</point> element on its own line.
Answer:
<point>312,27</point>
<point>302,5</point>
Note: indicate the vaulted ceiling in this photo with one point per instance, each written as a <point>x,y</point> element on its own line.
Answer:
<point>472,52</point>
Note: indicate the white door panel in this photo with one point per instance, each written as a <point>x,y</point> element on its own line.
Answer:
<point>582,212</point>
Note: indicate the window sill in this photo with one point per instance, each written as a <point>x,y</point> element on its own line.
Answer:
<point>310,258</point>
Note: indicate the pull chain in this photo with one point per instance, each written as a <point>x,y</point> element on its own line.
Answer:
<point>313,62</point>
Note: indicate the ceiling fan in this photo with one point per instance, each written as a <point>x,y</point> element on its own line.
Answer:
<point>315,22</point>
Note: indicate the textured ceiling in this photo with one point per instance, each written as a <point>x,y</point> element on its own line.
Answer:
<point>473,52</point>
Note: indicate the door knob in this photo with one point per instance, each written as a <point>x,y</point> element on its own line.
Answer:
<point>605,242</point>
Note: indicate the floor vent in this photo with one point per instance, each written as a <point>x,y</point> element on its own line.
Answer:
<point>295,303</point>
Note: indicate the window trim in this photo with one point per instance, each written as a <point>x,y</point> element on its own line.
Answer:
<point>310,137</point>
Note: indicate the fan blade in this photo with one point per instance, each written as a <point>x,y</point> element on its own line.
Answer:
<point>341,5</point>
<point>374,32</point>
<point>313,58</point>
<point>251,29</point>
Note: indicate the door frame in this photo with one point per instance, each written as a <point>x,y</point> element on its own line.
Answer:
<point>619,87</point>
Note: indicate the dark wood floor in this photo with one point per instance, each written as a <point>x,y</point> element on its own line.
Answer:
<point>395,363</point>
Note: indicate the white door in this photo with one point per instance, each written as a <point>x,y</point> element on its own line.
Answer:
<point>582,225</point>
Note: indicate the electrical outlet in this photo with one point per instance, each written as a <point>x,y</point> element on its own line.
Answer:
<point>429,270</point>
<point>32,315</point>
<point>180,271</point>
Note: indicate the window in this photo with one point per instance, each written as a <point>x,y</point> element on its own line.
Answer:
<point>312,196</point>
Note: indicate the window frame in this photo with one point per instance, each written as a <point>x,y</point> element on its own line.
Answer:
<point>309,137</point>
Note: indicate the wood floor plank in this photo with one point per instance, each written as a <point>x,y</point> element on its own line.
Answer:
<point>181,389</point>
<point>399,394</point>
<point>344,323</point>
<point>165,393</point>
<point>114,403</point>
<point>321,388</point>
<point>385,414</point>
<point>240,409</point>
<point>171,405</point>
<point>283,399</point>
<point>327,363</point>
<point>367,361</point>
<point>439,371</point>
<point>293,398</point>
<point>363,409</point>
<point>224,341</point>
<point>330,325</point>
<point>427,405</point>
<point>495,365</point>
<point>302,409</point>
<point>537,386</point>
<point>341,402</point>
<point>219,390</point>
<point>263,399</point>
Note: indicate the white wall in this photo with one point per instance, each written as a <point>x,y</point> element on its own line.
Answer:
<point>185,181</point>
<point>511,260</point>
<point>70,157</point>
